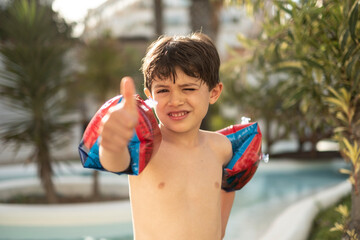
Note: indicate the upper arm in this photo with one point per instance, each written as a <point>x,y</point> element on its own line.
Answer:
<point>228,151</point>
<point>227,200</point>
<point>223,147</point>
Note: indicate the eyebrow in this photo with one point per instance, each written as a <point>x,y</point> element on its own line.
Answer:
<point>160,86</point>
<point>181,85</point>
<point>189,85</point>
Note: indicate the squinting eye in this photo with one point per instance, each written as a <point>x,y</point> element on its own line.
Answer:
<point>189,89</point>
<point>162,91</point>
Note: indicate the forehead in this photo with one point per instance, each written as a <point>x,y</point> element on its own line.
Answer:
<point>181,79</point>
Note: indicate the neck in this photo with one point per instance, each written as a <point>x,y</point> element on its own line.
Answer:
<point>188,139</point>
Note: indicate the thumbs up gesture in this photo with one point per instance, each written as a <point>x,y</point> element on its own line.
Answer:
<point>119,123</point>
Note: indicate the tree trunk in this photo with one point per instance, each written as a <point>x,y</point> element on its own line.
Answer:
<point>314,140</point>
<point>204,17</point>
<point>300,145</point>
<point>84,122</point>
<point>158,14</point>
<point>45,173</point>
<point>96,185</point>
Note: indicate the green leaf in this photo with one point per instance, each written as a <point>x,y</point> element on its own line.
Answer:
<point>340,129</point>
<point>346,96</point>
<point>304,105</point>
<point>352,151</point>
<point>353,61</point>
<point>312,63</point>
<point>282,7</point>
<point>356,78</point>
<point>343,210</point>
<point>342,117</point>
<point>247,43</point>
<point>338,102</point>
<point>353,19</point>
<point>345,171</point>
<point>333,91</point>
<point>348,53</point>
<point>337,227</point>
<point>289,66</point>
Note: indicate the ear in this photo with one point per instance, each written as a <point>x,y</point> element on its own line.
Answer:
<point>147,93</point>
<point>215,93</point>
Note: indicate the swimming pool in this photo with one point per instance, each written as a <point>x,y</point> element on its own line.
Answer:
<point>275,186</point>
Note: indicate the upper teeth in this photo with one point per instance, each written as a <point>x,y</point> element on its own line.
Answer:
<point>178,114</point>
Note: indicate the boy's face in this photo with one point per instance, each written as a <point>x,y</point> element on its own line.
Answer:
<point>182,105</point>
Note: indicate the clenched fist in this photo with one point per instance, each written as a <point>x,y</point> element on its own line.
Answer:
<point>119,123</point>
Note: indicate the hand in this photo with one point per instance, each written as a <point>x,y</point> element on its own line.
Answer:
<point>119,123</point>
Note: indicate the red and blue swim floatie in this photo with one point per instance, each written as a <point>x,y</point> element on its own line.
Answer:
<point>246,145</point>
<point>145,141</point>
<point>245,140</point>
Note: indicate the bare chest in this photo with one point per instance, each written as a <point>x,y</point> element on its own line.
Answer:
<point>180,187</point>
<point>183,172</point>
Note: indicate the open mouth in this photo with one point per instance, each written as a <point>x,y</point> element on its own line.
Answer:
<point>178,115</point>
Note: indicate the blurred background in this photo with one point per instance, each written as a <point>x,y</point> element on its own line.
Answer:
<point>291,65</point>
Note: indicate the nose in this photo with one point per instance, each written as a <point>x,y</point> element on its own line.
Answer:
<point>176,99</point>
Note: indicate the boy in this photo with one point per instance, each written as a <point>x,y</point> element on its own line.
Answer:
<point>178,195</point>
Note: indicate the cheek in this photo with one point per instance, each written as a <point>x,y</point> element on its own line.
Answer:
<point>158,99</point>
<point>158,110</point>
<point>201,99</point>
<point>205,109</point>
<point>204,102</point>
<point>200,104</point>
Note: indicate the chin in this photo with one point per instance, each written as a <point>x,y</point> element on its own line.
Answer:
<point>178,128</point>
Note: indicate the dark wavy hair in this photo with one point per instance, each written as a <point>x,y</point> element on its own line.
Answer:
<point>195,55</point>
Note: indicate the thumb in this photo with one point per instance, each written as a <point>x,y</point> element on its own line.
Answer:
<point>127,89</point>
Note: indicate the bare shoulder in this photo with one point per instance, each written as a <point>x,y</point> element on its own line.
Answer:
<point>220,144</point>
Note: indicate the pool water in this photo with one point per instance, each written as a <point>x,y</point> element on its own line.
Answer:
<point>115,231</point>
<point>275,186</point>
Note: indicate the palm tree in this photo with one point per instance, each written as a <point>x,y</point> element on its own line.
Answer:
<point>32,48</point>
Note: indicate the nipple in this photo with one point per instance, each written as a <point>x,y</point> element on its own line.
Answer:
<point>161,185</point>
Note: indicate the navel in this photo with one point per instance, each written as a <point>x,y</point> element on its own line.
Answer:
<point>217,185</point>
<point>161,185</point>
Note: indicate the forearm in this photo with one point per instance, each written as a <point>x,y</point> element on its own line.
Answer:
<point>227,200</point>
<point>114,162</point>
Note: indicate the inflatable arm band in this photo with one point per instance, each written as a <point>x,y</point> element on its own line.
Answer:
<point>246,144</point>
<point>145,140</point>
